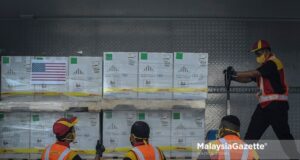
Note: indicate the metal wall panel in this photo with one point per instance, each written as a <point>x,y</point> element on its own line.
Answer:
<point>156,8</point>
<point>226,41</point>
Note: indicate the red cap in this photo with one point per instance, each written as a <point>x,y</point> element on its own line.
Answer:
<point>260,44</point>
<point>63,125</point>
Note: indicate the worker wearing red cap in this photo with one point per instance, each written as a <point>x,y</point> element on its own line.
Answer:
<point>65,134</point>
<point>273,95</point>
<point>139,139</point>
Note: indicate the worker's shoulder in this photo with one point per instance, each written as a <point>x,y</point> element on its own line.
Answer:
<point>254,154</point>
<point>130,155</point>
<point>73,155</point>
<point>212,149</point>
<point>272,64</point>
<point>214,142</point>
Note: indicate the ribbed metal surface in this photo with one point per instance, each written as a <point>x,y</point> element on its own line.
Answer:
<point>144,8</point>
<point>226,41</point>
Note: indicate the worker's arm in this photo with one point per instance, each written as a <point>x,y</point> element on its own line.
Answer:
<point>73,156</point>
<point>162,154</point>
<point>255,155</point>
<point>245,76</point>
<point>242,80</point>
<point>248,74</point>
<point>130,156</point>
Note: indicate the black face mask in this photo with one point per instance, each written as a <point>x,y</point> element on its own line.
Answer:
<point>228,127</point>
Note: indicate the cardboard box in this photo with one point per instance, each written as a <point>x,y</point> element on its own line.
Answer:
<point>15,133</point>
<point>87,132</point>
<point>41,130</point>
<point>188,129</point>
<point>15,76</point>
<point>85,77</point>
<point>120,75</point>
<point>117,126</point>
<point>155,75</point>
<point>116,130</point>
<point>190,75</point>
<point>51,91</point>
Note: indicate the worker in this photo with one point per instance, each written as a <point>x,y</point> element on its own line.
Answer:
<point>142,149</point>
<point>139,139</point>
<point>273,96</point>
<point>64,130</point>
<point>228,134</point>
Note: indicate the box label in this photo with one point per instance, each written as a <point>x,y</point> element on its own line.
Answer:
<point>108,57</point>
<point>176,115</point>
<point>73,60</point>
<point>69,116</point>
<point>5,60</point>
<point>144,56</point>
<point>35,117</point>
<point>108,114</point>
<point>179,55</point>
<point>141,116</point>
<point>1,116</point>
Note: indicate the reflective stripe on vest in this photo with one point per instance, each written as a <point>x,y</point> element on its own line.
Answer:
<point>64,154</point>
<point>140,155</point>
<point>227,151</point>
<point>271,97</point>
<point>245,154</point>
<point>47,152</point>
<point>157,156</point>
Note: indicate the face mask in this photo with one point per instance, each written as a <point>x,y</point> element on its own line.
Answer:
<point>220,133</point>
<point>131,140</point>
<point>261,59</point>
<point>71,137</point>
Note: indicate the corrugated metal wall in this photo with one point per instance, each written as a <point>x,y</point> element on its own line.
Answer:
<point>227,42</point>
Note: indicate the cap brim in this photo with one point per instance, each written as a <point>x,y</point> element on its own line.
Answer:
<point>254,50</point>
<point>73,120</point>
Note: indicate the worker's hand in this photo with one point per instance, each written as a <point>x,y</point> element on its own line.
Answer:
<point>230,72</point>
<point>100,148</point>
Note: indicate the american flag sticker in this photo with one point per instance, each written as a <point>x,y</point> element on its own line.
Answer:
<point>48,72</point>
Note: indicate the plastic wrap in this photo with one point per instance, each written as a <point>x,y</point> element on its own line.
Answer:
<point>174,132</point>
<point>85,78</point>
<point>155,75</point>
<point>120,78</point>
<point>190,75</point>
<point>15,77</point>
<point>26,134</point>
<point>79,78</point>
<point>14,135</point>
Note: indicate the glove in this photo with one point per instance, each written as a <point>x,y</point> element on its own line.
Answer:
<point>99,149</point>
<point>230,73</point>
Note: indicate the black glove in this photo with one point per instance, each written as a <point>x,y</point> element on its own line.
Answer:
<point>99,149</point>
<point>229,74</point>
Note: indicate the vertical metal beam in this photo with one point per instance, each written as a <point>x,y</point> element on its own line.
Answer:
<point>1,78</point>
